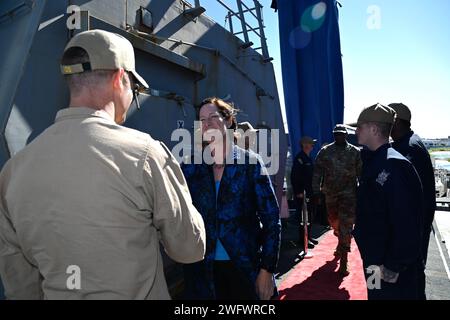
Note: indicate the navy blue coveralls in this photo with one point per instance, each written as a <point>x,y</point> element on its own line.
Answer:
<point>301,174</point>
<point>389,221</point>
<point>301,180</point>
<point>412,148</point>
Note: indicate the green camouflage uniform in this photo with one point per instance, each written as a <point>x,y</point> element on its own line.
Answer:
<point>335,174</point>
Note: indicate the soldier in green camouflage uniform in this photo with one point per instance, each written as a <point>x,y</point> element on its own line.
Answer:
<point>337,168</point>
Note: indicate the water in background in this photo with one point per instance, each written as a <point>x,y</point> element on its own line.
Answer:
<point>441,154</point>
<point>441,159</point>
<point>442,164</point>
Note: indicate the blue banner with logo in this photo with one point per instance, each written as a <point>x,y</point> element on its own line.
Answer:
<point>312,69</point>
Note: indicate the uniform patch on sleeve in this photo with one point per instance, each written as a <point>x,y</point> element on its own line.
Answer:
<point>382,177</point>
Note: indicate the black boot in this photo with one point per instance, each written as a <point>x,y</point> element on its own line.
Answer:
<point>310,238</point>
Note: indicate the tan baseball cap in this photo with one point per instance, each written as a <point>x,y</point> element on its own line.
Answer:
<point>106,50</point>
<point>307,140</point>
<point>377,113</point>
<point>402,111</point>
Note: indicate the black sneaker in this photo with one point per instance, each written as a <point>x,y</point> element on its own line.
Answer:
<point>314,241</point>
<point>310,245</point>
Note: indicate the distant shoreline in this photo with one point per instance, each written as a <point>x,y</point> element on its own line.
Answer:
<point>436,149</point>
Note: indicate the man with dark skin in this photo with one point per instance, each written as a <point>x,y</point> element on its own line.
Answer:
<point>411,147</point>
<point>338,166</point>
<point>340,138</point>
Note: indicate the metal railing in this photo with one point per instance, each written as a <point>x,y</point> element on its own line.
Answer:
<point>241,13</point>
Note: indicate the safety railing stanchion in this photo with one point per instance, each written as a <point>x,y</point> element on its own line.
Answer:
<point>305,223</point>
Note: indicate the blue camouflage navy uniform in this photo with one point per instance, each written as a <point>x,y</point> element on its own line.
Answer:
<point>412,148</point>
<point>245,219</point>
<point>389,221</point>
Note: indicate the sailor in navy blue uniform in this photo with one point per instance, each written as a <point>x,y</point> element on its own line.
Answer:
<point>301,180</point>
<point>411,146</point>
<point>389,217</point>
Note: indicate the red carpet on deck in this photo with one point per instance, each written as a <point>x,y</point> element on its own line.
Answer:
<point>316,278</point>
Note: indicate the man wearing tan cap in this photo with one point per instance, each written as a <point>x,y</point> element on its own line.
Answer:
<point>84,208</point>
<point>388,227</point>
<point>411,146</point>
<point>301,180</point>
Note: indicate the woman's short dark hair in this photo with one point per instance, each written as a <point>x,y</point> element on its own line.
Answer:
<point>226,109</point>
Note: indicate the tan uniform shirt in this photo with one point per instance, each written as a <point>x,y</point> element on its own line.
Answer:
<point>93,195</point>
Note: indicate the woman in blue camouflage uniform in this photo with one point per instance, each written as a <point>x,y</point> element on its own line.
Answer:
<point>241,214</point>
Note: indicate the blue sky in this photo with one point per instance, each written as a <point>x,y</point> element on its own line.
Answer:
<point>393,51</point>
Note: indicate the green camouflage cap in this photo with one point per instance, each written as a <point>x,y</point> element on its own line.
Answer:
<point>340,128</point>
